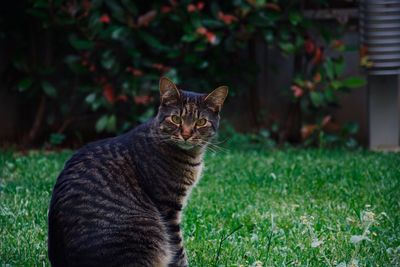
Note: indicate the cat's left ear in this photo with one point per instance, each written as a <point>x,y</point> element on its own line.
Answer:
<point>169,93</point>
<point>216,98</point>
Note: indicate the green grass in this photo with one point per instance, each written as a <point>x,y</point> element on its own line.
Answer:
<point>292,208</point>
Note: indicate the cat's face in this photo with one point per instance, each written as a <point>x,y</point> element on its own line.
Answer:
<point>188,119</point>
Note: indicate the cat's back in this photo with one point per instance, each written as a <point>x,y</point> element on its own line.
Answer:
<point>98,165</point>
<point>102,162</point>
<point>98,211</point>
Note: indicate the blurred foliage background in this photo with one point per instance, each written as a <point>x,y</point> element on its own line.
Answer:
<point>97,63</point>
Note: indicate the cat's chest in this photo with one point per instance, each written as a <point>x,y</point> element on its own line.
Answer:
<point>192,174</point>
<point>188,169</point>
<point>194,177</point>
<point>197,172</point>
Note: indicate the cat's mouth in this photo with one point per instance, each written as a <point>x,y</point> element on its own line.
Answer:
<point>187,144</point>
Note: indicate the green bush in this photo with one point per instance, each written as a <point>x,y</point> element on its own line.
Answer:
<point>103,59</point>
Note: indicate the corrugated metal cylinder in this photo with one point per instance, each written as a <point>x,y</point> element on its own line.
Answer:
<point>380,35</point>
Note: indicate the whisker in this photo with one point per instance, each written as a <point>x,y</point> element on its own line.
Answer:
<point>211,146</point>
<point>161,138</point>
<point>220,141</point>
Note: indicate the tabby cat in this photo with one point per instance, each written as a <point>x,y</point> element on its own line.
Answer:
<point>118,201</point>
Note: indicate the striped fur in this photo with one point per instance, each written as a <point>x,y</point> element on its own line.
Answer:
<point>118,201</point>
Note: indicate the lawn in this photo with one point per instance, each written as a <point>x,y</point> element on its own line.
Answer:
<point>252,208</point>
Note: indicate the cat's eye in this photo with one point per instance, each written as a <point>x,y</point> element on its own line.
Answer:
<point>201,122</point>
<point>176,119</point>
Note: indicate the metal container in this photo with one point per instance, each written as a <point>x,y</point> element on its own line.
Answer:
<point>380,35</point>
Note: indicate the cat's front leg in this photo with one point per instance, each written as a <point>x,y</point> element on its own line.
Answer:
<point>179,258</point>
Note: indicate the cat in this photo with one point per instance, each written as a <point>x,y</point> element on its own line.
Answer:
<point>118,201</point>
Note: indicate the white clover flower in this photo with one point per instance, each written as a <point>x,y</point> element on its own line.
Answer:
<point>355,239</point>
<point>254,237</point>
<point>353,263</point>
<point>295,206</point>
<point>389,250</point>
<point>350,220</point>
<point>316,243</point>
<point>304,220</point>
<point>368,217</point>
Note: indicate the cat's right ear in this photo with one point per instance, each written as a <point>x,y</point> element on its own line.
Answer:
<point>169,93</point>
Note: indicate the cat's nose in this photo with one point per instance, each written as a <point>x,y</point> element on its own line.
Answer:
<point>186,134</point>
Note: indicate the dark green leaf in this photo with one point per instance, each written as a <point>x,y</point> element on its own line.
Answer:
<point>56,138</point>
<point>191,58</point>
<point>203,65</point>
<point>299,80</point>
<point>195,21</point>
<point>74,63</point>
<point>45,71</point>
<point>173,75</point>
<point>152,41</point>
<point>316,99</point>
<point>190,37</point>
<point>108,60</point>
<point>38,13</point>
<point>339,66</point>
<point>330,95</point>
<point>354,82</point>
<point>112,124</point>
<point>351,143</point>
<point>116,10</point>
<point>269,36</point>
<point>287,47</point>
<point>133,53</point>
<point>90,98</point>
<point>101,123</point>
<point>146,115</point>
<point>284,34</point>
<point>130,5</point>
<point>329,69</point>
<point>20,64</point>
<point>295,17</point>
<point>350,128</point>
<point>24,84</point>
<point>41,4</point>
<point>200,47</point>
<point>259,19</point>
<point>174,53</point>
<point>81,44</point>
<point>118,33</point>
<point>49,89</point>
<point>325,32</point>
<point>299,43</point>
<point>212,23</point>
<point>336,84</point>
